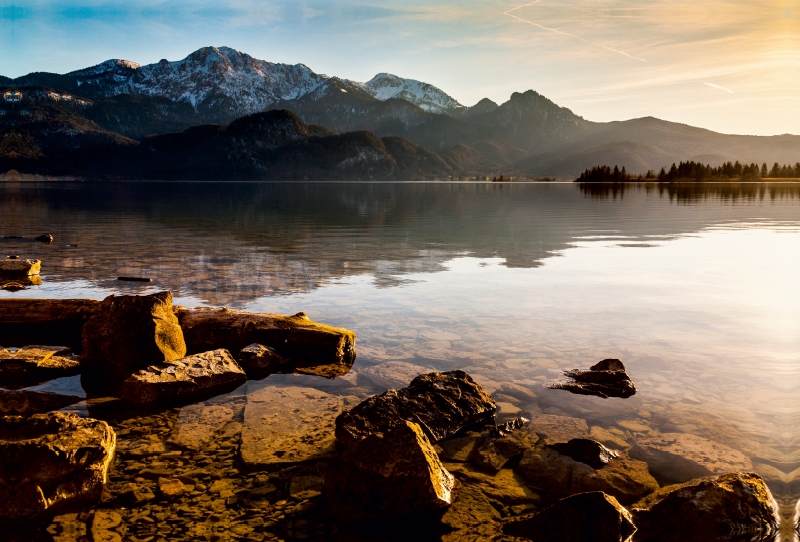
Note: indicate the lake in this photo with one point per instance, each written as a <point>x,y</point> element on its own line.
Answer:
<point>694,287</point>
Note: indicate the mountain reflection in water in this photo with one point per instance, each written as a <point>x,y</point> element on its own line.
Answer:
<point>693,287</point>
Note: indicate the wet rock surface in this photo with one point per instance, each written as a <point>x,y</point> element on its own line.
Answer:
<point>677,457</point>
<point>28,402</point>
<point>129,333</point>
<point>607,378</point>
<point>29,365</point>
<point>190,378</point>
<point>441,403</point>
<point>591,516</point>
<point>288,425</point>
<point>19,268</point>
<point>731,505</point>
<point>626,479</point>
<point>390,474</point>
<point>51,464</point>
<point>260,361</point>
<point>586,451</point>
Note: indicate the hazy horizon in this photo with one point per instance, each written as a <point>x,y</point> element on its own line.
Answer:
<point>725,65</point>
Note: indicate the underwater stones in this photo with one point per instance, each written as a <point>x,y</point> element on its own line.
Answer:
<point>626,479</point>
<point>19,268</point>
<point>199,425</point>
<point>553,428</point>
<point>392,374</point>
<point>679,457</point>
<point>588,516</point>
<point>505,486</point>
<point>27,402</point>
<point>389,474</point>
<point>504,443</point>
<point>471,517</point>
<point>194,377</point>
<point>604,379</point>
<point>737,502</point>
<point>130,332</point>
<point>288,425</point>
<point>259,361</point>
<point>441,403</point>
<point>586,451</point>
<point>31,365</point>
<point>312,347</point>
<point>51,464</point>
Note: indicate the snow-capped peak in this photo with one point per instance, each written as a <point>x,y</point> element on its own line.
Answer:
<point>386,85</point>
<point>115,65</point>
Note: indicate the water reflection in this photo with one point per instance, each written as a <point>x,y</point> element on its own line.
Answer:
<point>693,192</point>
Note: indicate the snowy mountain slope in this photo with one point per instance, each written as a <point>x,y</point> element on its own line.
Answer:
<point>425,96</point>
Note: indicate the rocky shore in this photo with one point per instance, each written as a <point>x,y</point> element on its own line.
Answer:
<point>182,436</point>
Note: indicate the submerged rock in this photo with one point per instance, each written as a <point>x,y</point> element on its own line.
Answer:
<point>503,443</point>
<point>592,516</point>
<point>45,238</point>
<point>391,374</point>
<point>387,475</point>
<point>738,503</point>
<point>586,451</point>
<point>260,361</point>
<point>680,457</point>
<point>32,365</point>
<point>552,428</point>
<point>51,464</point>
<point>288,425</point>
<point>130,332</point>
<point>604,379</point>
<point>441,403</point>
<point>20,268</point>
<point>626,479</point>
<point>194,377</point>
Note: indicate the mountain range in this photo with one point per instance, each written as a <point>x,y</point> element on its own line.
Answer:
<point>221,113</point>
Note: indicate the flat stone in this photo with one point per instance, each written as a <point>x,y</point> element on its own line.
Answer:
<point>20,268</point>
<point>388,475</point>
<point>199,425</point>
<point>552,428</point>
<point>441,403</point>
<point>392,374</point>
<point>591,516</point>
<point>306,487</point>
<point>288,425</point>
<point>194,377</point>
<point>51,464</point>
<point>710,509</point>
<point>679,457</point>
<point>626,479</point>
<point>130,332</point>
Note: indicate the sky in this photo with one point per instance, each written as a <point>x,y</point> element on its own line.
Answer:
<point>732,66</point>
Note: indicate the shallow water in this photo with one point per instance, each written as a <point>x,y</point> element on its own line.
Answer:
<point>694,288</point>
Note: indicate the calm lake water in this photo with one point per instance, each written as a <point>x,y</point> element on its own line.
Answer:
<point>694,288</point>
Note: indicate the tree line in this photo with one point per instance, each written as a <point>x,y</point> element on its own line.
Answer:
<point>693,171</point>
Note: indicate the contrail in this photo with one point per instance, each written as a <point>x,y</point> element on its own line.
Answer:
<point>537,25</point>
<point>712,85</point>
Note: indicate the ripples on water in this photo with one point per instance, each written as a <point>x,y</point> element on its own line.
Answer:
<point>694,287</point>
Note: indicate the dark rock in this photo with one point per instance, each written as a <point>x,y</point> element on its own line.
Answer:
<point>503,443</point>
<point>389,474</point>
<point>51,464</point>
<point>26,321</point>
<point>32,365</point>
<point>605,379</point>
<point>26,402</point>
<point>259,361</point>
<point>586,451</point>
<point>46,238</point>
<point>471,517</point>
<point>592,516</point>
<point>737,503</point>
<point>130,332</point>
<point>19,268</point>
<point>626,479</point>
<point>507,428</point>
<point>441,403</point>
<point>191,378</point>
<point>135,279</point>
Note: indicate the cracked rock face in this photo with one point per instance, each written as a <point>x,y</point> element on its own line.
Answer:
<point>191,378</point>
<point>440,403</point>
<point>130,332</point>
<point>51,464</point>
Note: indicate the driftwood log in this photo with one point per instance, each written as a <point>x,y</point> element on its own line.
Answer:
<point>44,321</point>
<point>313,348</point>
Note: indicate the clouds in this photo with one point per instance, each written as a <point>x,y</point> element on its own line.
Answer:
<point>584,54</point>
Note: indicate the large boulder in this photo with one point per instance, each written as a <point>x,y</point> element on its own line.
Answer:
<point>130,332</point>
<point>585,517</point>
<point>679,457</point>
<point>51,464</point>
<point>31,365</point>
<point>441,403</point>
<point>387,475</point>
<point>558,471</point>
<point>191,378</point>
<point>712,509</point>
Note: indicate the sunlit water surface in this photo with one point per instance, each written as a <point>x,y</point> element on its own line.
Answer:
<point>694,288</point>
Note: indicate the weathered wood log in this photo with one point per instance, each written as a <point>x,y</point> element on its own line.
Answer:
<point>312,347</point>
<point>44,321</point>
